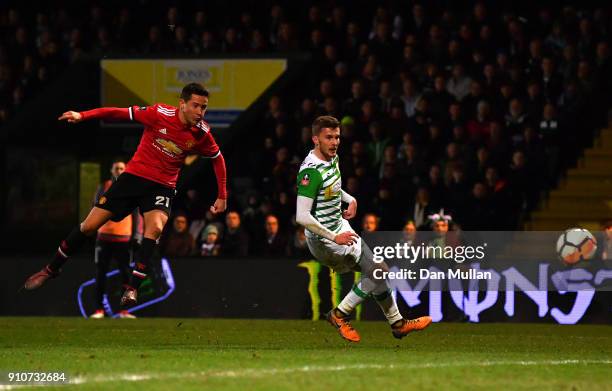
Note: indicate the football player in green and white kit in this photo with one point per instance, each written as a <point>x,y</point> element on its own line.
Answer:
<point>331,239</point>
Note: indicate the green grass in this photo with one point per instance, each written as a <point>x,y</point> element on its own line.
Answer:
<point>297,355</point>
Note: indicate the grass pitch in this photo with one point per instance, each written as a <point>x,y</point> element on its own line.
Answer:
<point>183,354</point>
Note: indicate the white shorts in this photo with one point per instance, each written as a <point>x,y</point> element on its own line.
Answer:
<point>340,258</point>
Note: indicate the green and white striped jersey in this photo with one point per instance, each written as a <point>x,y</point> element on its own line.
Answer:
<point>320,180</point>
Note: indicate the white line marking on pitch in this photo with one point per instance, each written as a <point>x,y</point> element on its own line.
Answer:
<point>261,372</point>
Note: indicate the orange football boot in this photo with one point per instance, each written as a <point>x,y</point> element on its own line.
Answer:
<point>343,325</point>
<point>409,325</point>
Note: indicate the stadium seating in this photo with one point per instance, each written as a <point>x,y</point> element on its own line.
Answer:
<point>468,91</point>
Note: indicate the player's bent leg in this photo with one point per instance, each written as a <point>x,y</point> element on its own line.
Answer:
<point>75,239</point>
<point>352,299</point>
<point>154,222</point>
<point>341,259</point>
<point>334,256</point>
<point>379,290</point>
<point>96,218</point>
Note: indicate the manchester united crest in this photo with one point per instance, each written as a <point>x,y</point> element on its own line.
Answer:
<point>169,146</point>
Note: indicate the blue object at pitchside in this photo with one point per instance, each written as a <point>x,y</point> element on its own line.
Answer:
<point>166,270</point>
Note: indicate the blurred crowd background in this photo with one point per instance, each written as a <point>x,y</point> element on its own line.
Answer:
<point>475,108</point>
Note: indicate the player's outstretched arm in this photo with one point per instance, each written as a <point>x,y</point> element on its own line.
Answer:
<point>352,205</point>
<point>306,219</point>
<point>218,163</point>
<point>109,113</point>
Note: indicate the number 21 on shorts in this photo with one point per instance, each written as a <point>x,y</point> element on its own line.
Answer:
<point>163,201</point>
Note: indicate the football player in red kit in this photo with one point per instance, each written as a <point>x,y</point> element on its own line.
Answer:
<point>149,179</point>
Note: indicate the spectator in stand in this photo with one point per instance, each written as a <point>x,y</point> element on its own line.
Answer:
<point>479,128</point>
<point>458,189</point>
<point>410,96</point>
<point>524,188</point>
<point>275,242</point>
<point>181,44</point>
<point>411,167</point>
<point>367,117</point>
<point>178,242</point>
<point>498,191</point>
<point>455,116</point>
<point>421,208</point>
<point>352,106</point>
<point>440,99</point>
<point>385,205</point>
<point>440,223</point>
<point>410,232</point>
<point>210,242</point>
<point>307,112</point>
<point>421,74</point>
<point>376,146</point>
<point>480,214</point>
<point>603,65</point>
<point>298,247</point>
<point>534,100</point>
<point>235,238</point>
<point>531,145</point>
<point>369,223</point>
<point>396,122</point>
<point>516,117</point>
<point>459,84</point>
<point>551,81</point>
<point>435,185</point>
<point>155,43</point>
<point>281,172</point>
<point>385,97</point>
<point>473,98</point>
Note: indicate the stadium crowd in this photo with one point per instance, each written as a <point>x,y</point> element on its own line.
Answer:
<point>474,110</point>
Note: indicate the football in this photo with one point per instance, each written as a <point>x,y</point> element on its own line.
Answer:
<point>576,244</point>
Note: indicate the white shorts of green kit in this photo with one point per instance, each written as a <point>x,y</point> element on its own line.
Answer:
<point>340,258</point>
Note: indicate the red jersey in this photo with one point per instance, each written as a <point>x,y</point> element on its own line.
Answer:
<point>165,143</point>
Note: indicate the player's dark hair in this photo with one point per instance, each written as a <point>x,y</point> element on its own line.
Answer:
<point>118,160</point>
<point>193,89</point>
<point>325,121</point>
